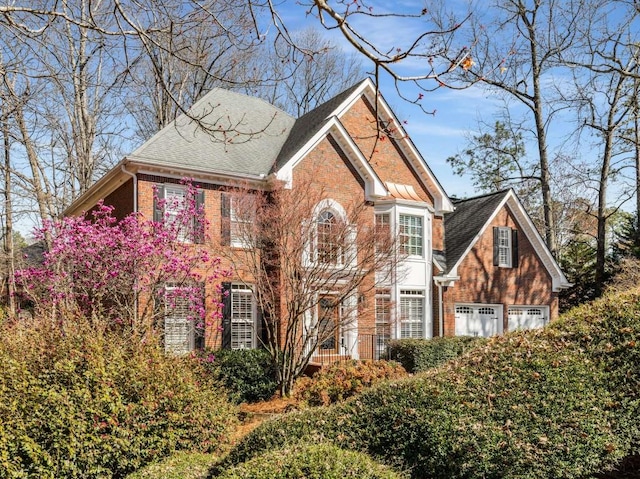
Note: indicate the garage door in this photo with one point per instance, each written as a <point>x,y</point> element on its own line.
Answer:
<point>478,320</point>
<point>527,317</point>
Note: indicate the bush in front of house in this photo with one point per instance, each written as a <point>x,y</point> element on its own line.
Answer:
<point>182,465</point>
<point>308,461</point>
<point>563,401</point>
<point>343,380</point>
<point>418,355</point>
<point>248,374</point>
<point>76,402</point>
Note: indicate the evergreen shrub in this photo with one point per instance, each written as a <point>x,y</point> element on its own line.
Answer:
<point>311,461</point>
<point>81,403</point>
<point>563,401</point>
<point>418,355</point>
<point>248,374</point>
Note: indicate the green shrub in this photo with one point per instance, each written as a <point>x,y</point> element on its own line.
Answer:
<point>343,380</point>
<point>321,461</point>
<point>183,465</point>
<point>248,374</point>
<point>563,401</point>
<point>82,403</point>
<point>418,355</point>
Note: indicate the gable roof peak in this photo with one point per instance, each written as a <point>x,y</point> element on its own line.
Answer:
<point>499,193</point>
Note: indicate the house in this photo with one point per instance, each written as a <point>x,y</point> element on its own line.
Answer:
<point>470,267</point>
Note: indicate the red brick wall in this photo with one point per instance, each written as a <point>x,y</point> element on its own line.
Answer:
<point>335,179</point>
<point>121,199</point>
<point>437,235</point>
<point>212,209</point>
<point>482,282</point>
<point>382,152</point>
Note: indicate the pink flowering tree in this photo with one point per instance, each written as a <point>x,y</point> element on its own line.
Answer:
<point>126,274</point>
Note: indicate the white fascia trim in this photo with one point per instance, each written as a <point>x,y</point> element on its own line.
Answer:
<point>374,187</point>
<point>442,202</point>
<point>559,281</point>
<point>437,264</point>
<point>409,203</point>
<point>221,178</point>
<point>106,185</point>
<point>447,280</point>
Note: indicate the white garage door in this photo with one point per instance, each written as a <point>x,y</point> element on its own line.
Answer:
<point>527,317</point>
<point>478,320</point>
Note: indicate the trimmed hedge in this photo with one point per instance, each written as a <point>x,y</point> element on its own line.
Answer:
<point>248,374</point>
<point>343,380</point>
<point>563,401</point>
<point>418,355</point>
<point>183,465</point>
<point>311,461</point>
<point>85,404</point>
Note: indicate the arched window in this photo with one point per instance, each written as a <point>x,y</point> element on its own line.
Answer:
<point>329,238</point>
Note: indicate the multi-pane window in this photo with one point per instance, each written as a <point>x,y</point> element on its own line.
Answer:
<point>175,202</point>
<point>383,318</point>
<point>383,226</point>
<point>241,220</point>
<point>182,215</point>
<point>504,247</point>
<point>412,314</point>
<point>243,315</point>
<point>329,247</point>
<point>411,234</point>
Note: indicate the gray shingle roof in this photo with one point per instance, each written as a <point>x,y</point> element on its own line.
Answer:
<point>236,134</point>
<point>462,226</point>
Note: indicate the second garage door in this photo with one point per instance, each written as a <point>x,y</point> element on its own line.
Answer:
<point>527,317</point>
<point>478,319</point>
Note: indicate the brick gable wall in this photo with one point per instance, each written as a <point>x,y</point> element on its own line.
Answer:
<point>482,282</point>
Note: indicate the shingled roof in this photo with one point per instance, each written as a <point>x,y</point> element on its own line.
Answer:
<point>463,225</point>
<point>234,134</point>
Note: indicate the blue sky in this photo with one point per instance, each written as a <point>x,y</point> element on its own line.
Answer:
<point>457,112</point>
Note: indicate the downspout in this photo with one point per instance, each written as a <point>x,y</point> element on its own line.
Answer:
<point>440,310</point>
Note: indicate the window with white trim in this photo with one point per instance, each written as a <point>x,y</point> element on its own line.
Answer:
<point>172,206</point>
<point>181,327</point>
<point>412,314</point>
<point>243,317</point>
<point>329,238</point>
<point>241,220</point>
<point>383,229</point>
<point>383,318</point>
<point>411,233</point>
<point>504,247</point>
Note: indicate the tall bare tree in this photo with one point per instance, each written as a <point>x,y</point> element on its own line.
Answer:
<point>518,45</point>
<point>311,268</point>
<point>307,77</point>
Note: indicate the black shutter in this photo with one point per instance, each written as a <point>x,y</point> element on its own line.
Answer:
<point>514,248</point>
<point>226,315</point>
<point>496,246</point>
<point>158,212</point>
<point>199,218</point>
<point>225,223</point>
